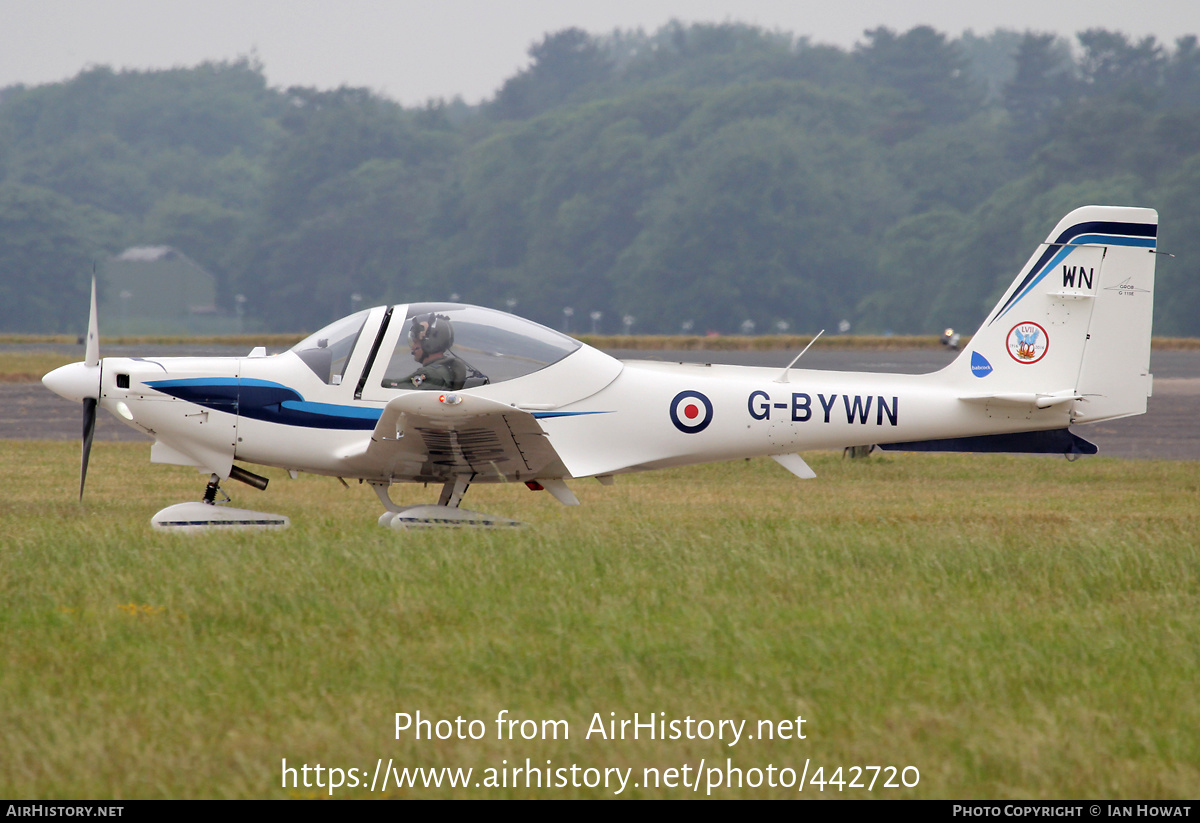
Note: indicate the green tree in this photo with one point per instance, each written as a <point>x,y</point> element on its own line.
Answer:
<point>213,108</point>
<point>97,170</point>
<point>708,55</point>
<point>47,248</point>
<point>363,236</point>
<point>958,165</point>
<point>927,68</point>
<point>923,263</point>
<point>203,229</point>
<point>991,59</point>
<point>327,134</point>
<point>1043,83</point>
<point>563,63</point>
<point>1181,79</point>
<point>1112,66</point>
<point>310,251</point>
<point>1090,140</point>
<point>1177,297</point>
<point>763,224</point>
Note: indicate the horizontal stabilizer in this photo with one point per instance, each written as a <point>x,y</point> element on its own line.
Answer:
<point>1054,441</point>
<point>1040,400</point>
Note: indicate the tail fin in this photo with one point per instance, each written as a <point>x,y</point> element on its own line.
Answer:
<point>1075,324</point>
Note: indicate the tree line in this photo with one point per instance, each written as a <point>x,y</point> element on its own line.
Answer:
<point>698,178</point>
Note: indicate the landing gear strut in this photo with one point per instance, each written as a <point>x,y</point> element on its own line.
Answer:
<point>210,491</point>
<point>445,513</point>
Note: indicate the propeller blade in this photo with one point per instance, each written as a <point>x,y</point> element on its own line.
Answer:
<point>92,351</point>
<point>89,430</point>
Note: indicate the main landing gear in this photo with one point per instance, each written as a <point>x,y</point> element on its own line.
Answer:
<point>445,513</point>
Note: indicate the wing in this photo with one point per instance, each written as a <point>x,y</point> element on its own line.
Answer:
<point>435,437</point>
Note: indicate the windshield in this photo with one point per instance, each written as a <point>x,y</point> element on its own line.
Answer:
<point>327,351</point>
<point>450,346</point>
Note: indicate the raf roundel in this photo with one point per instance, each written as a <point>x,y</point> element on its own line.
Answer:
<point>691,412</point>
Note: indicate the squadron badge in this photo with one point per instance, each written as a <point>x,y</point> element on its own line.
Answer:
<point>1027,343</point>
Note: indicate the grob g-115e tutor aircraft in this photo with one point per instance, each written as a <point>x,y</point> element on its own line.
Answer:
<point>455,395</point>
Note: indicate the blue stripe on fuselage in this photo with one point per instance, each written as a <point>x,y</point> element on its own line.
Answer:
<point>276,403</point>
<point>267,401</point>
<point>545,415</point>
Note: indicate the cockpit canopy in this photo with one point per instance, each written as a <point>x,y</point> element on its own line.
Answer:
<point>328,351</point>
<point>491,346</point>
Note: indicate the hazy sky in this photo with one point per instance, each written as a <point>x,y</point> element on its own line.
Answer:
<point>413,50</point>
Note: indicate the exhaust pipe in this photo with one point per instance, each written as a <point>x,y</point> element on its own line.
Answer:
<point>249,478</point>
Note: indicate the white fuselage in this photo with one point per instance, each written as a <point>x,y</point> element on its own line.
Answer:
<point>751,412</point>
<point>601,416</point>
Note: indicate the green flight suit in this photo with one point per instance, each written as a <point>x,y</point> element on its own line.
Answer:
<point>444,372</point>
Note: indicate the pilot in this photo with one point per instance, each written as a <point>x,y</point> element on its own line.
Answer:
<point>429,338</point>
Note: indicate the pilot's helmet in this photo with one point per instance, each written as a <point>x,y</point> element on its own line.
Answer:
<point>432,331</point>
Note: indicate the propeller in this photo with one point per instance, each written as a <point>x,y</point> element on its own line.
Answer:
<point>89,430</point>
<point>91,351</point>
<point>91,358</point>
<point>81,381</point>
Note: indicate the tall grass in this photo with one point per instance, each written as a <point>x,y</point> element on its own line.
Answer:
<point>1012,627</point>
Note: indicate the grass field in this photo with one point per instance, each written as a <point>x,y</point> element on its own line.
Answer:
<point>1010,627</point>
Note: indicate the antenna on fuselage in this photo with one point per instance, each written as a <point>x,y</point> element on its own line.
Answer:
<point>783,378</point>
